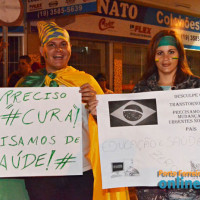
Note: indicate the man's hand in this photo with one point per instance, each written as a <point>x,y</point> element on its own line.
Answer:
<point>89,97</point>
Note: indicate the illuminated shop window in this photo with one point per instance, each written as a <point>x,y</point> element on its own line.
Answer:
<point>89,56</point>
<point>194,61</point>
<point>133,61</point>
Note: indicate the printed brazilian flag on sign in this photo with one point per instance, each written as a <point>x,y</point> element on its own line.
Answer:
<point>133,112</point>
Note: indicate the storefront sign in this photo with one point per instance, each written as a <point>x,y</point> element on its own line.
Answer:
<point>146,15</point>
<point>143,134</point>
<point>40,132</point>
<point>14,29</point>
<point>43,9</point>
<point>129,22</point>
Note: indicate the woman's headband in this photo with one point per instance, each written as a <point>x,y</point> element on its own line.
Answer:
<point>167,41</point>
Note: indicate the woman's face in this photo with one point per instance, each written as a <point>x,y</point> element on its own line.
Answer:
<point>166,59</point>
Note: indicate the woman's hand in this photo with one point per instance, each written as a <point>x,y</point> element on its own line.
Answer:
<point>89,97</point>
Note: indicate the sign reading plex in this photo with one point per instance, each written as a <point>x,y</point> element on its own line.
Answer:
<point>118,9</point>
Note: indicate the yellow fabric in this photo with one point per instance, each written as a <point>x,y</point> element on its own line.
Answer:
<point>74,78</point>
<point>50,30</point>
<point>71,77</point>
<point>99,193</point>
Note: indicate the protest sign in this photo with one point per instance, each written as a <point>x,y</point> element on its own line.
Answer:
<point>41,132</point>
<point>147,138</point>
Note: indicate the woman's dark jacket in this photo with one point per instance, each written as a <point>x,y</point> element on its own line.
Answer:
<point>151,84</point>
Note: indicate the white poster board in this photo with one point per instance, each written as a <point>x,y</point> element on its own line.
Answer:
<point>41,132</point>
<point>143,134</point>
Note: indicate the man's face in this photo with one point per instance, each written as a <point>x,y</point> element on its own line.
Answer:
<point>23,66</point>
<point>56,53</point>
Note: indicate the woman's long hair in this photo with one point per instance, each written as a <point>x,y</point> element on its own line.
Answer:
<point>182,69</point>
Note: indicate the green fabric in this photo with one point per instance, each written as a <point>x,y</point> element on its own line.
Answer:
<point>33,80</point>
<point>52,75</point>
<point>167,41</point>
<point>53,83</point>
<point>13,189</point>
<point>166,87</point>
<point>37,80</point>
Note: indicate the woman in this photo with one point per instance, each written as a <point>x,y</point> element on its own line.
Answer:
<point>167,69</point>
<point>167,65</point>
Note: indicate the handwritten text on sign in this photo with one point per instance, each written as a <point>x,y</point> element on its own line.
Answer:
<point>143,133</point>
<point>40,132</point>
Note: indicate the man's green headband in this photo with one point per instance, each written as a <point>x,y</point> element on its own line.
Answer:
<point>167,41</point>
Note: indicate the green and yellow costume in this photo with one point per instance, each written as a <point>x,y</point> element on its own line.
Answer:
<point>71,77</point>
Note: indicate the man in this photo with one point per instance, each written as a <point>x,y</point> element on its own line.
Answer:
<point>101,79</point>
<point>56,50</point>
<point>24,68</point>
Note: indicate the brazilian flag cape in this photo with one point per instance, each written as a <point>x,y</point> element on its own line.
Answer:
<point>13,189</point>
<point>71,77</point>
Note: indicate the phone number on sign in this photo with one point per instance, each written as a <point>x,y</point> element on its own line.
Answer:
<point>59,11</point>
<point>194,38</point>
